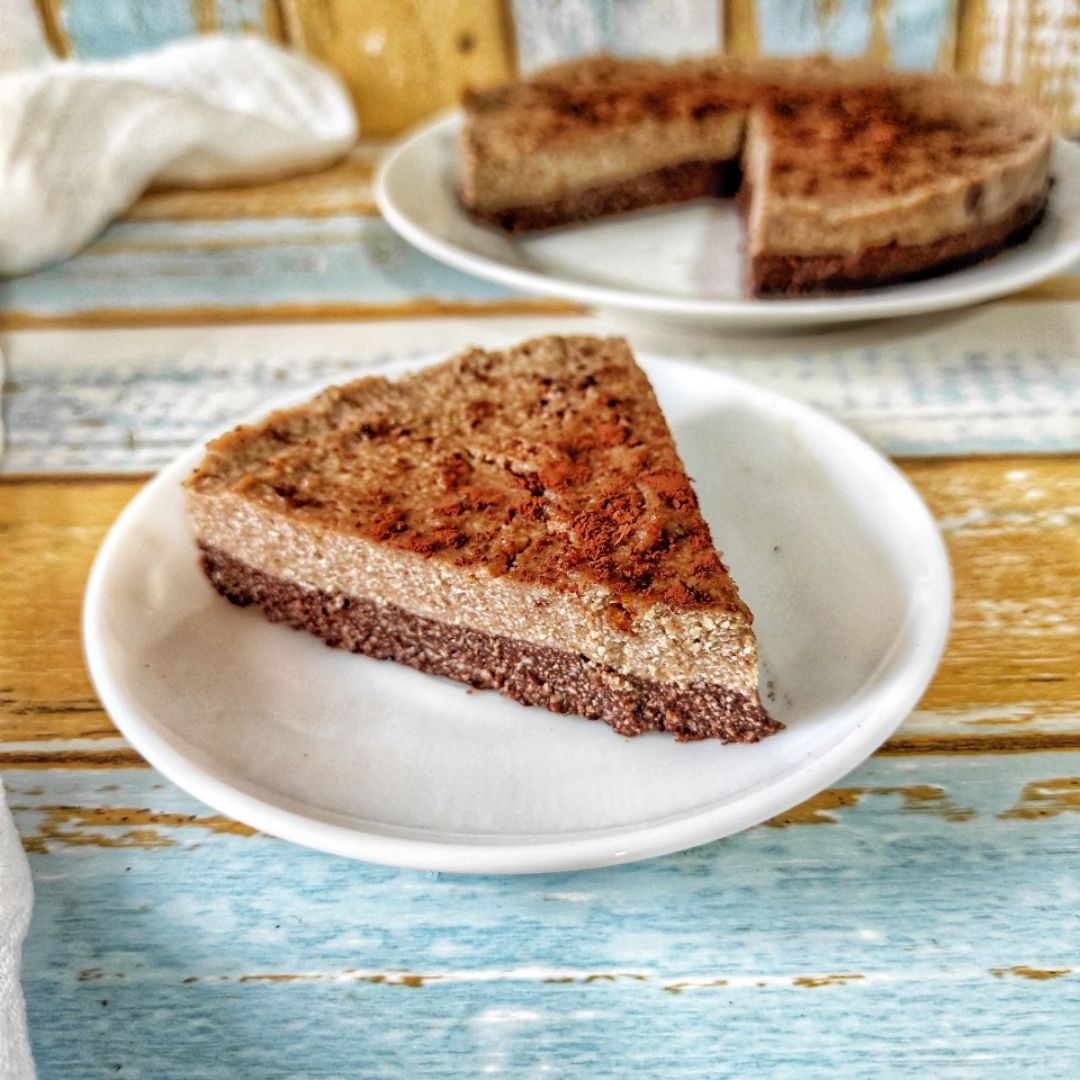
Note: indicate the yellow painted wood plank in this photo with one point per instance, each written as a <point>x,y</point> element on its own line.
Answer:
<point>1064,288</point>
<point>404,60</point>
<point>344,188</point>
<point>1013,531</point>
<point>50,533</point>
<point>129,827</point>
<point>1012,525</point>
<point>116,318</point>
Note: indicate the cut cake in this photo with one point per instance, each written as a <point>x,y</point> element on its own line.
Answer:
<point>517,520</point>
<point>848,176</point>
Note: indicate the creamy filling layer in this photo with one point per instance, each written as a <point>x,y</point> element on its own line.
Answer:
<point>664,645</point>
<point>604,158</point>
<point>776,223</point>
<point>561,681</point>
<point>780,225</point>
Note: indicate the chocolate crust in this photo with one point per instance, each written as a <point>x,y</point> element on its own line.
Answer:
<point>531,674</point>
<point>673,184</point>
<point>798,275</point>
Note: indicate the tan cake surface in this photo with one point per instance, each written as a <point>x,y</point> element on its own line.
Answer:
<point>534,493</point>
<point>842,163</point>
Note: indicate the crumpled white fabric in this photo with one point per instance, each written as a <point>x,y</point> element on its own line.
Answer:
<point>16,900</point>
<point>80,141</point>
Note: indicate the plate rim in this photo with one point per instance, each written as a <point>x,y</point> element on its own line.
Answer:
<point>742,313</point>
<point>913,668</point>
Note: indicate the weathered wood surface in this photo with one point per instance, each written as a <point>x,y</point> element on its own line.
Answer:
<point>996,379</point>
<point>313,248</point>
<point>341,189</point>
<point>928,924</point>
<point>1010,679</point>
<point>911,34</point>
<point>404,61</point>
<point>920,918</point>
<point>560,30</point>
<point>1033,43</point>
<point>103,29</point>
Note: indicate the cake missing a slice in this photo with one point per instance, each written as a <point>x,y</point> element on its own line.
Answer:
<point>848,176</point>
<point>518,520</point>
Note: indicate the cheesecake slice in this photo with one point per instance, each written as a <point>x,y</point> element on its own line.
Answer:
<point>516,520</point>
<point>862,179</point>
<point>848,176</point>
<point>600,136</point>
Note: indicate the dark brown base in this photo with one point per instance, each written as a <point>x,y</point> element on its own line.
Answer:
<point>532,674</point>
<point>789,275</point>
<point>674,184</point>
<point>777,275</point>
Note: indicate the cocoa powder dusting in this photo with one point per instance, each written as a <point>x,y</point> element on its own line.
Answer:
<point>550,462</point>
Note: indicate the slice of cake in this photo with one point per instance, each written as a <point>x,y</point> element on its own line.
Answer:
<point>850,176</point>
<point>879,179</point>
<point>600,136</point>
<point>516,520</point>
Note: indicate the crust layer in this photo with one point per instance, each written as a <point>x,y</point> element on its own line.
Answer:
<point>673,184</point>
<point>799,275</point>
<point>531,674</point>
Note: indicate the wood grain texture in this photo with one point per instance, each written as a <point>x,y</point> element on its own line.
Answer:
<point>1033,43</point>
<point>297,264</point>
<point>997,378</point>
<point>50,534</point>
<point>1009,680</point>
<point>560,30</point>
<point>904,940</point>
<point>104,29</point>
<point>344,188</point>
<point>403,60</point>
<point>911,34</point>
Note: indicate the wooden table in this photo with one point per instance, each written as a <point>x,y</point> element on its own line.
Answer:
<point>923,915</point>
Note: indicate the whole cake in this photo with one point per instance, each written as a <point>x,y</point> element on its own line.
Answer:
<point>517,520</point>
<point>848,176</point>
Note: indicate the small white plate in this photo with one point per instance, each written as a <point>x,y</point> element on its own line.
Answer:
<point>831,547</point>
<point>683,263</point>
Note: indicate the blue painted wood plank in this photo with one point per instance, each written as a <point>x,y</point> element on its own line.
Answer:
<point>106,29</point>
<point>265,262</point>
<point>907,33</point>
<point>1000,378</point>
<point>565,29</point>
<point>922,916</point>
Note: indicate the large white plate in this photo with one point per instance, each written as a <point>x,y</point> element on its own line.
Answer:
<point>685,262</point>
<point>830,546</point>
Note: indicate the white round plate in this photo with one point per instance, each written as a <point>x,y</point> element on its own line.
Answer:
<point>831,548</point>
<point>683,263</point>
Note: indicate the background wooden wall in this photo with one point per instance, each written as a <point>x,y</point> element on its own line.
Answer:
<point>404,59</point>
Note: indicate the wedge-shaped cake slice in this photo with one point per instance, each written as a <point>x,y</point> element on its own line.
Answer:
<point>515,520</point>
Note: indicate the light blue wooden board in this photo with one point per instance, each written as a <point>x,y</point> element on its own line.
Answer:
<point>1003,378</point>
<point>559,30</point>
<point>104,29</point>
<point>923,902</point>
<point>267,262</point>
<point>916,30</point>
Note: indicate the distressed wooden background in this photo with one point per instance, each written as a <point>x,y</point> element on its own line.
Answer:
<point>404,59</point>
<point>919,916</point>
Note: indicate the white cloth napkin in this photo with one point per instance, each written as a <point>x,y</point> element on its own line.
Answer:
<point>80,141</point>
<point>16,899</point>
